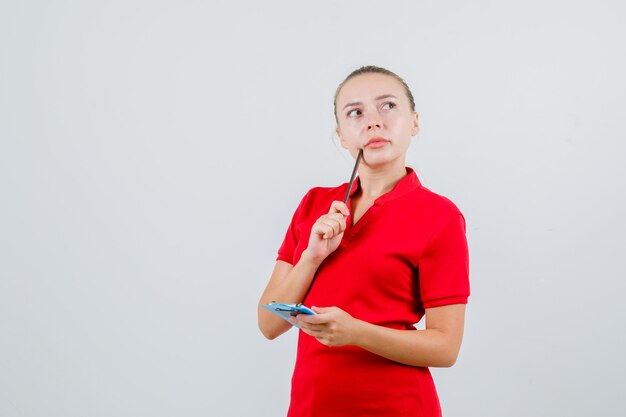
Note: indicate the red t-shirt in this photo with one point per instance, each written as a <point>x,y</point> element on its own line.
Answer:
<point>408,252</point>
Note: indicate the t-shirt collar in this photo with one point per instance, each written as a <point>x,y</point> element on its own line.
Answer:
<point>407,184</point>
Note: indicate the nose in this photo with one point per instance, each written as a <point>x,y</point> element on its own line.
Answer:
<point>373,125</point>
<point>374,122</point>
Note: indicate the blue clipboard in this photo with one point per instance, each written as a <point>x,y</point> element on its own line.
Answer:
<point>285,311</point>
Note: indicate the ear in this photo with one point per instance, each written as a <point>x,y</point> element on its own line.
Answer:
<point>341,141</point>
<point>415,128</point>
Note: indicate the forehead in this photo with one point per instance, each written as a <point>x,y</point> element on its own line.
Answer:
<point>368,86</point>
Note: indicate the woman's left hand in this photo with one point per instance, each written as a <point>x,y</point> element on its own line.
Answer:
<point>331,326</point>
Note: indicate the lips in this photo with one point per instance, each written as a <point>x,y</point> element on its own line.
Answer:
<point>376,142</point>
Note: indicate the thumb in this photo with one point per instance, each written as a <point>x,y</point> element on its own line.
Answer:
<point>320,310</point>
<point>339,207</point>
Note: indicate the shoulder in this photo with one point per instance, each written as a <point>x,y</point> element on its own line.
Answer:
<point>445,227</point>
<point>422,200</point>
<point>440,201</point>
<point>436,204</point>
<point>435,213</point>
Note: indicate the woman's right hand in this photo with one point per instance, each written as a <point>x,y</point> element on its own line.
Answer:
<point>327,232</point>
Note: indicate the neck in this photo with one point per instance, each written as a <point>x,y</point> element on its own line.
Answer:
<point>376,182</point>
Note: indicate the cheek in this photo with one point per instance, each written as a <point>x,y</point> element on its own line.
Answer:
<point>404,124</point>
<point>350,130</point>
<point>353,123</point>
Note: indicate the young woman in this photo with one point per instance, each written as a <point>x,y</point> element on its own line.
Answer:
<point>371,269</point>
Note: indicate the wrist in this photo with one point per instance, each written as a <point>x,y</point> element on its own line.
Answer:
<point>359,333</point>
<point>309,259</point>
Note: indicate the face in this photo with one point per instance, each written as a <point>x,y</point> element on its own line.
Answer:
<point>374,113</point>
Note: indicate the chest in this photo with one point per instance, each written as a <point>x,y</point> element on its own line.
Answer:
<point>375,265</point>
<point>359,206</point>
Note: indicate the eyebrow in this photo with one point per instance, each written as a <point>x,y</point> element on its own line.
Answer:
<point>357,103</point>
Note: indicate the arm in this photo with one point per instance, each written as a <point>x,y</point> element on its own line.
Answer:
<point>437,346</point>
<point>289,284</point>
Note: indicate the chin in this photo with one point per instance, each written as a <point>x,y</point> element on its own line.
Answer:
<point>382,160</point>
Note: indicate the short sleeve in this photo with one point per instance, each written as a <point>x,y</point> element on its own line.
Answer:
<point>444,266</point>
<point>287,250</point>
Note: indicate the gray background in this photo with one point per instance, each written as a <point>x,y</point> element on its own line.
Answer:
<point>152,153</point>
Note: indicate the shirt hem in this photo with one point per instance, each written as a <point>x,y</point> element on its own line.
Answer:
<point>446,301</point>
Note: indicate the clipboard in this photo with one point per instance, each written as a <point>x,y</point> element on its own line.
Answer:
<point>285,311</point>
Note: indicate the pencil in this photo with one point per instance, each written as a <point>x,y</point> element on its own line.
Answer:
<point>356,166</point>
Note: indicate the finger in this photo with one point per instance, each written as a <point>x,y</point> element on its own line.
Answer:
<point>329,227</point>
<point>312,333</point>
<point>312,320</point>
<point>339,207</point>
<point>322,310</point>
<point>313,328</point>
<point>322,229</point>
<point>310,327</point>
<point>339,217</point>
<point>327,232</point>
<point>335,225</point>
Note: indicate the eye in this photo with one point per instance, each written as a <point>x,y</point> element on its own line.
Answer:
<point>354,113</point>
<point>389,105</point>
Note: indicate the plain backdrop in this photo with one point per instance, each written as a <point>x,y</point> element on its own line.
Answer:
<point>152,154</point>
